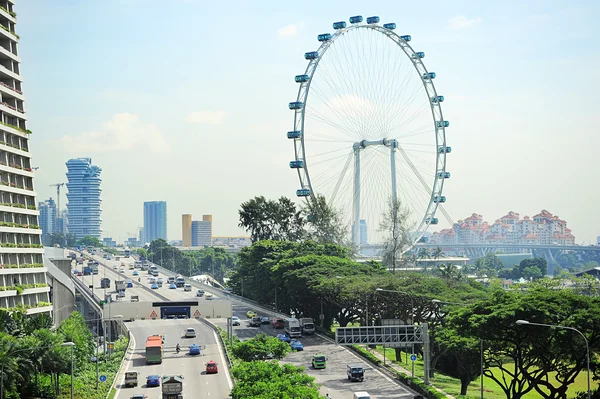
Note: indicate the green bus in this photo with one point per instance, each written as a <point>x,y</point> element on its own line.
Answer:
<point>154,349</point>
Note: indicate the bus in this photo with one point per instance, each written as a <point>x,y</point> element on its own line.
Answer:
<point>127,252</point>
<point>154,349</point>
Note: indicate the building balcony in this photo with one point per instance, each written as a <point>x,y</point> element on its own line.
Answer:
<point>40,309</point>
<point>13,250</point>
<point>5,207</point>
<point>18,229</point>
<point>9,54</point>
<point>11,16</point>
<point>9,35</point>
<point>34,268</point>
<point>7,291</point>
<point>36,290</point>
<point>14,129</point>
<point>11,91</point>
<point>16,190</point>
<point>14,111</point>
<point>16,169</point>
<point>4,70</point>
<point>15,149</point>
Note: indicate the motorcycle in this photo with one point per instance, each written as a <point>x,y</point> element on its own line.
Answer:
<point>177,349</point>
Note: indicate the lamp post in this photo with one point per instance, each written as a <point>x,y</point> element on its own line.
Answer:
<point>587,345</point>
<point>72,345</point>
<point>480,344</point>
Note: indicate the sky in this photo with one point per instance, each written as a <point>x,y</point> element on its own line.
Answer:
<point>185,101</point>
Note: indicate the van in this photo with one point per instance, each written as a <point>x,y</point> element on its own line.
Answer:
<point>361,395</point>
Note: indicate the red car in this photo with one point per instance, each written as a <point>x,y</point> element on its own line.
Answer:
<point>79,274</point>
<point>211,367</point>
<point>277,323</point>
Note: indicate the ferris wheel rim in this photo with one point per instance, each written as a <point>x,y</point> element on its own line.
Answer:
<point>436,113</point>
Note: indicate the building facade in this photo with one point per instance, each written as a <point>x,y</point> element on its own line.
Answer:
<point>83,198</point>
<point>202,232</point>
<point>543,229</point>
<point>186,230</point>
<point>22,272</point>
<point>155,221</point>
<point>47,218</point>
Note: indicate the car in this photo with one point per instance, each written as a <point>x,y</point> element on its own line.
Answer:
<point>172,287</point>
<point>211,367</point>
<point>284,338</point>
<point>265,320</point>
<point>121,294</point>
<point>108,257</point>
<point>200,293</point>
<point>190,332</point>
<point>228,289</point>
<point>154,286</point>
<point>76,272</point>
<point>159,280</point>
<point>209,297</point>
<point>296,345</point>
<point>250,314</point>
<point>153,381</point>
<point>138,396</point>
<point>79,274</point>
<point>235,321</point>
<point>129,284</point>
<point>152,280</point>
<point>105,256</point>
<point>194,349</point>
<point>122,269</point>
<point>255,322</point>
<point>187,288</point>
<point>277,323</point>
<point>135,273</point>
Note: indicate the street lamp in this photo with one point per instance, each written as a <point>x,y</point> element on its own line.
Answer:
<point>437,301</point>
<point>587,345</point>
<point>72,345</point>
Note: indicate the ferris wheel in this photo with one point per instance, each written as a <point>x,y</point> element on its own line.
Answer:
<point>371,132</point>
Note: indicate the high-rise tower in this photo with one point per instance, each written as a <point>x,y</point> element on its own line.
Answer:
<point>83,198</point>
<point>22,269</point>
<point>155,220</point>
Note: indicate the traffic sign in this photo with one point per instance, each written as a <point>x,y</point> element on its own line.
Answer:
<point>153,315</point>
<point>197,313</point>
<point>110,345</point>
<point>413,358</point>
<point>102,378</point>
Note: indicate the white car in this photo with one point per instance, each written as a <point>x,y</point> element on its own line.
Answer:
<point>209,297</point>
<point>236,321</point>
<point>152,280</point>
<point>159,280</point>
<point>187,287</point>
<point>190,333</point>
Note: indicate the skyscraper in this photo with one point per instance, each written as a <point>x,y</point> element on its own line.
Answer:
<point>47,218</point>
<point>155,220</point>
<point>83,198</point>
<point>202,232</point>
<point>186,230</point>
<point>21,250</point>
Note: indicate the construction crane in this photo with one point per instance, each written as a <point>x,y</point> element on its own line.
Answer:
<point>58,186</point>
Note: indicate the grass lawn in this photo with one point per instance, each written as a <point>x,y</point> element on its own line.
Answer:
<point>491,389</point>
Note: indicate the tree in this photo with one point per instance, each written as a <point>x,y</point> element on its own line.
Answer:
<point>142,252</point>
<point>60,239</point>
<point>324,222</point>
<point>460,358</point>
<point>272,220</point>
<point>395,226</point>
<point>532,358</point>
<point>531,273</point>
<point>261,347</point>
<point>539,263</point>
<point>89,241</point>
<point>269,380</point>
<point>437,253</point>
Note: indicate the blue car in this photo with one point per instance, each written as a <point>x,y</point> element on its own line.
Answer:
<point>284,338</point>
<point>296,345</point>
<point>75,272</point>
<point>129,284</point>
<point>172,287</point>
<point>194,349</point>
<point>154,286</point>
<point>135,273</point>
<point>152,381</point>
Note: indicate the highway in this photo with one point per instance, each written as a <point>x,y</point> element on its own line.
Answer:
<point>332,379</point>
<point>196,383</point>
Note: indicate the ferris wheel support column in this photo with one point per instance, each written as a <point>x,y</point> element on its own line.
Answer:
<point>393,145</point>
<point>356,216</point>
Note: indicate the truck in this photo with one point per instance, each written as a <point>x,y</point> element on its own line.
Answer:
<point>179,281</point>
<point>355,372</point>
<point>131,379</point>
<point>308,325</point>
<point>291,326</point>
<point>136,265</point>
<point>105,282</point>
<point>172,387</point>
<point>120,285</point>
<point>87,271</point>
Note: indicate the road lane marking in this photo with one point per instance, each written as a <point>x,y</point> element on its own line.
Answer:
<point>224,362</point>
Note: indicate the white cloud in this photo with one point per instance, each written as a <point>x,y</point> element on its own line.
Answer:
<point>122,132</point>
<point>288,31</point>
<point>207,117</point>
<point>461,22</point>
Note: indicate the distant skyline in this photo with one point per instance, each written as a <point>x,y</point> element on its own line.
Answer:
<point>168,112</point>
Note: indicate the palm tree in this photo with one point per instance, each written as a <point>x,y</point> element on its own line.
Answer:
<point>437,253</point>
<point>449,271</point>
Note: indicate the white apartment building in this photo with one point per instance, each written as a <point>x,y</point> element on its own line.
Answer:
<point>23,282</point>
<point>543,229</point>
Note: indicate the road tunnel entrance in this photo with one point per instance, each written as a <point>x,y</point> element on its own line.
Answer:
<point>175,310</point>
